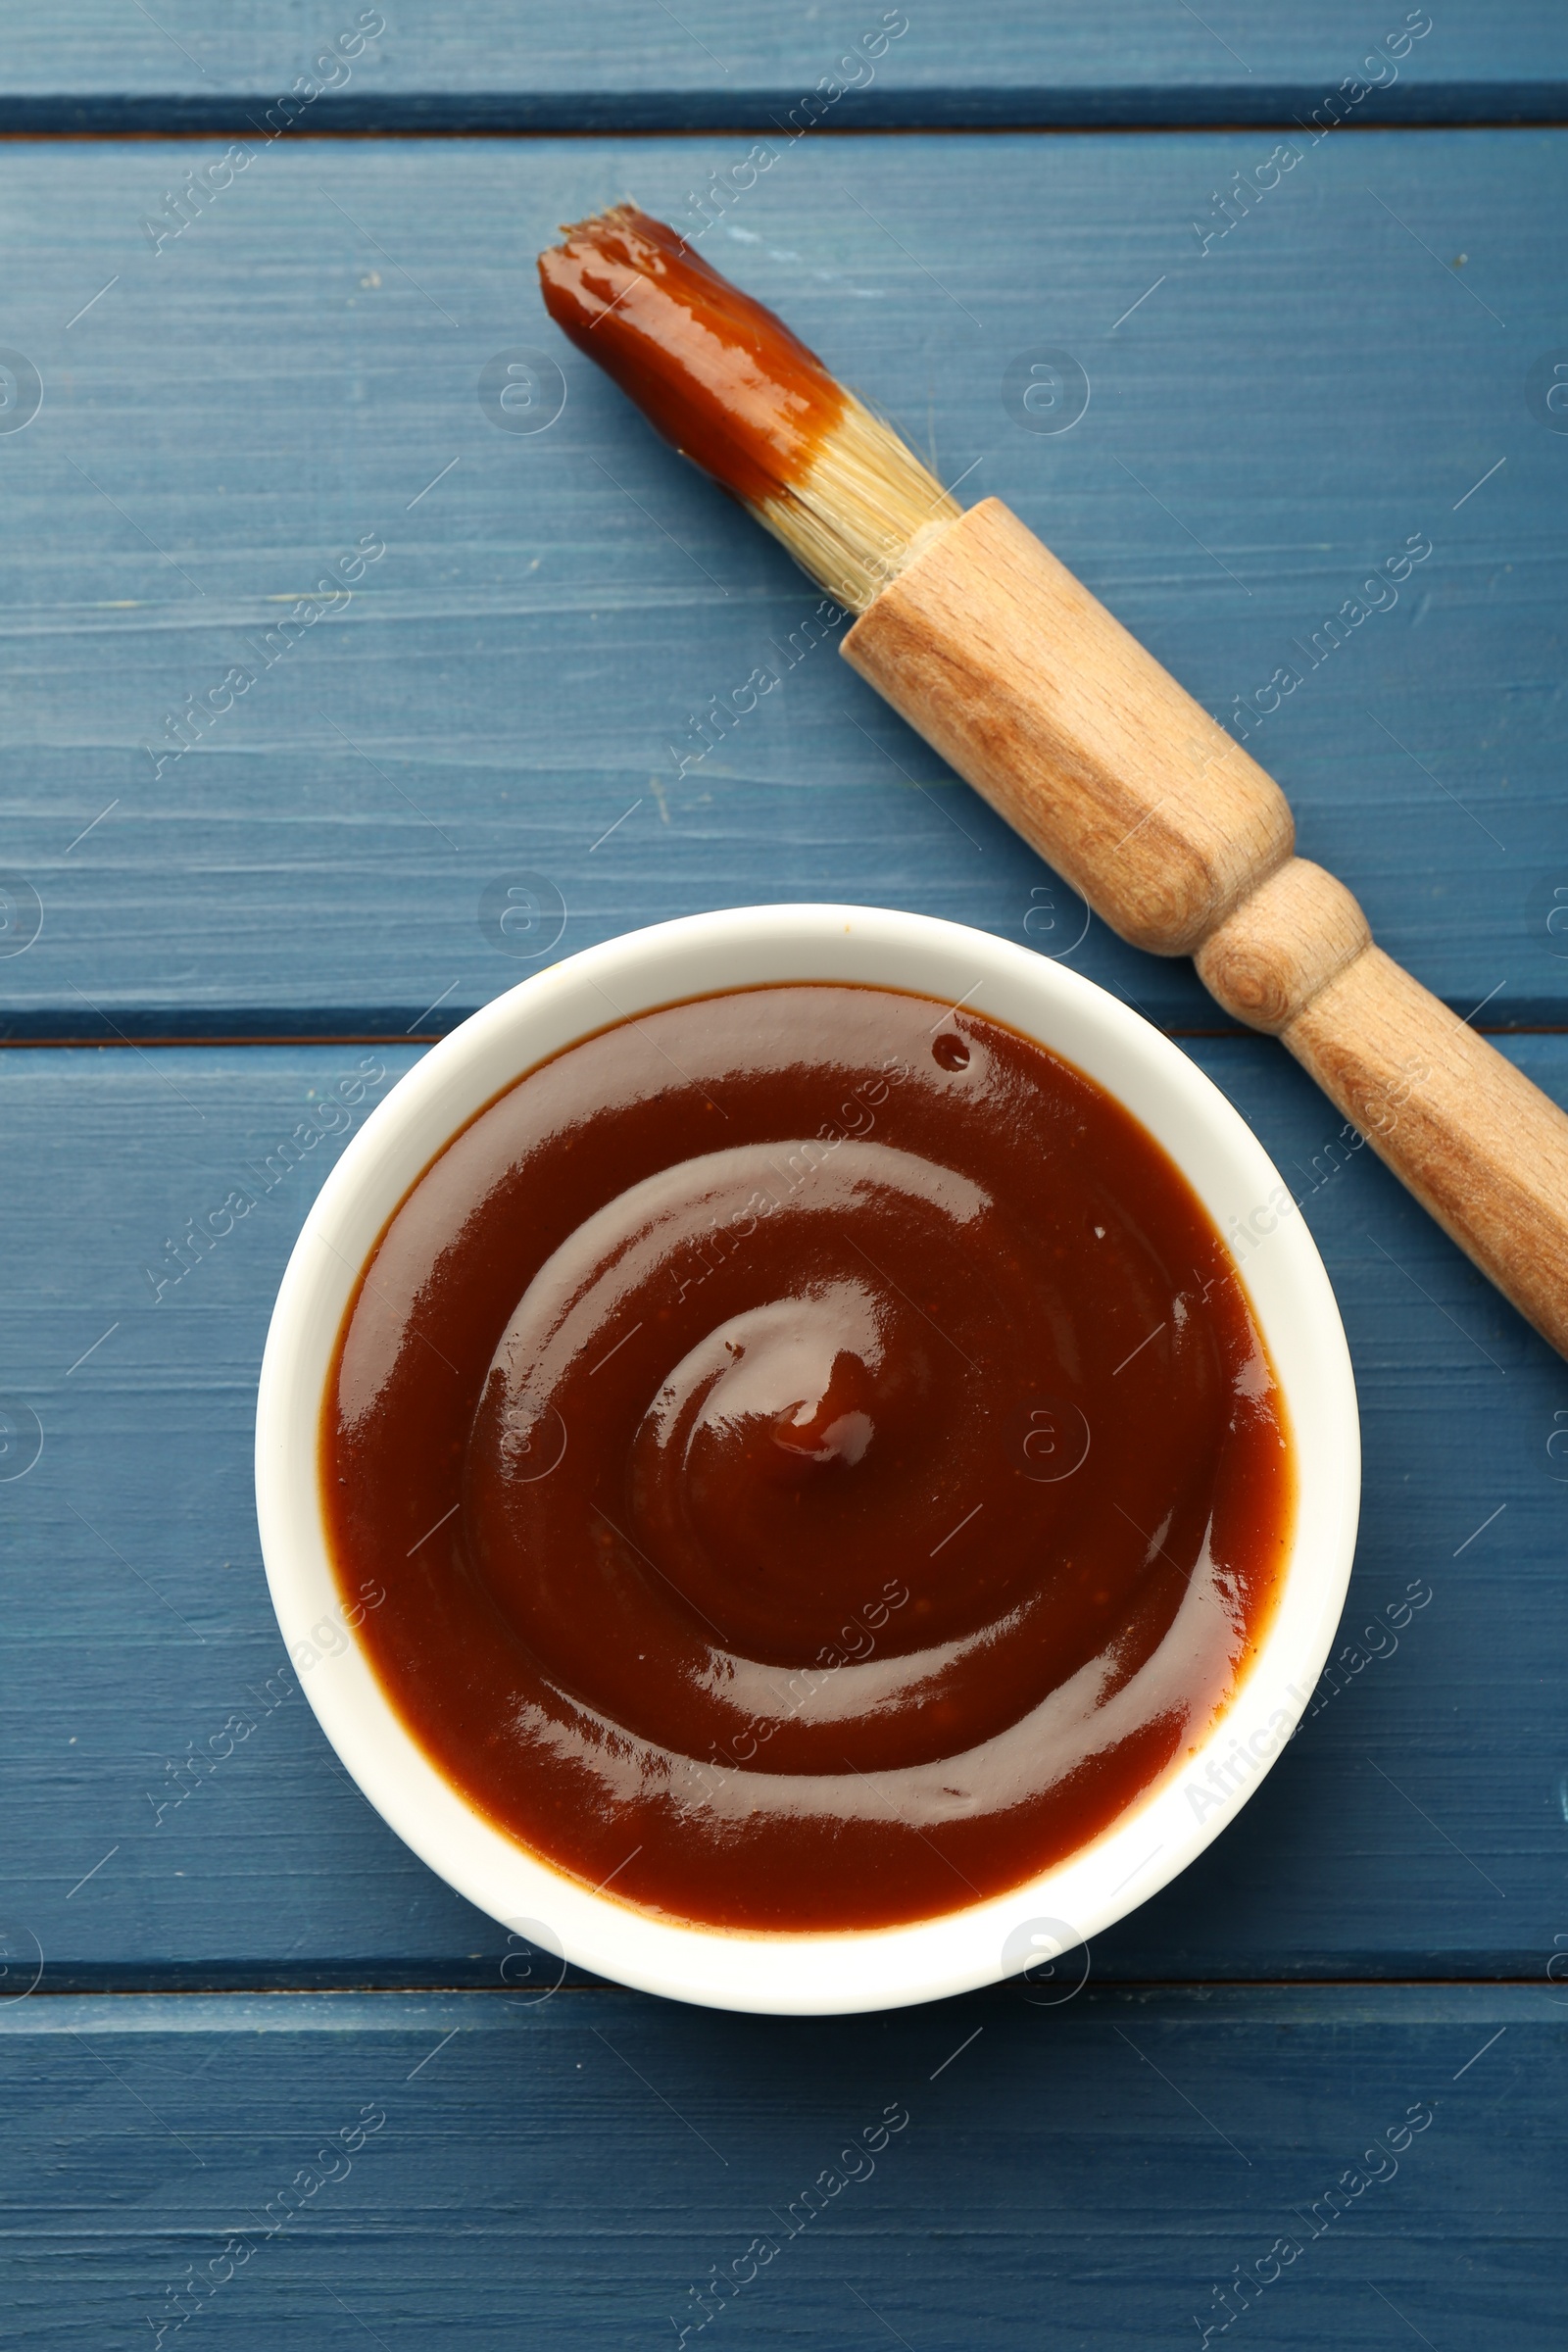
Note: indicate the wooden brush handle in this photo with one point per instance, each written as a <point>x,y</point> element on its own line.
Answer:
<point>1040,698</point>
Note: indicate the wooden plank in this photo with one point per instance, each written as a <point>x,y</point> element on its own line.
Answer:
<point>617,64</point>
<point>1414,1829</point>
<point>430,2170</point>
<point>513,684</point>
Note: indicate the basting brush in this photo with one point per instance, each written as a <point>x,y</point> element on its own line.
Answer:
<point>1042,700</point>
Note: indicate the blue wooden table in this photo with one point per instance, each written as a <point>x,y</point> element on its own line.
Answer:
<point>266,2076</point>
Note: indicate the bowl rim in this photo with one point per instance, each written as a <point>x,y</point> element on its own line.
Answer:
<point>839,1972</point>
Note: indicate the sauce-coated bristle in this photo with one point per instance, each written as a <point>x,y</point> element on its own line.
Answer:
<point>727,383</point>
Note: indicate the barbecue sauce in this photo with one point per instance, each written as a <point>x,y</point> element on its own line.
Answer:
<point>716,374</point>
<point>818,1455</point>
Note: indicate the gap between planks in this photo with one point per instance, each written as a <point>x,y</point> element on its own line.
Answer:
<point>1139,1985</point>
<point>224,127</point>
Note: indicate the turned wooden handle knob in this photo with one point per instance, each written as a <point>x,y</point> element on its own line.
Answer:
<point>1039,697</point>
<point>1285,941</point>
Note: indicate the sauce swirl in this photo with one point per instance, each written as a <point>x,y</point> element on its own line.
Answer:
<point>819,1457</point>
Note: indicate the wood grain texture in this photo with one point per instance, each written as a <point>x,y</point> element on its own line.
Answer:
<point>1416,1827</point>
<point>630,65</point>
<point>1040,698</point>
<point>431,2173</point>
<point>517,676</point>
<point>1281,946</point>
<point>1478,1145</point>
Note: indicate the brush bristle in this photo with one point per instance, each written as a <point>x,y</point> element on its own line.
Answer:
<point>727,383</point>
<point>857,515</point>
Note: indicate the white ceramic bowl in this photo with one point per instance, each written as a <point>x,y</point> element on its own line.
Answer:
<point>1245,1195</point>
